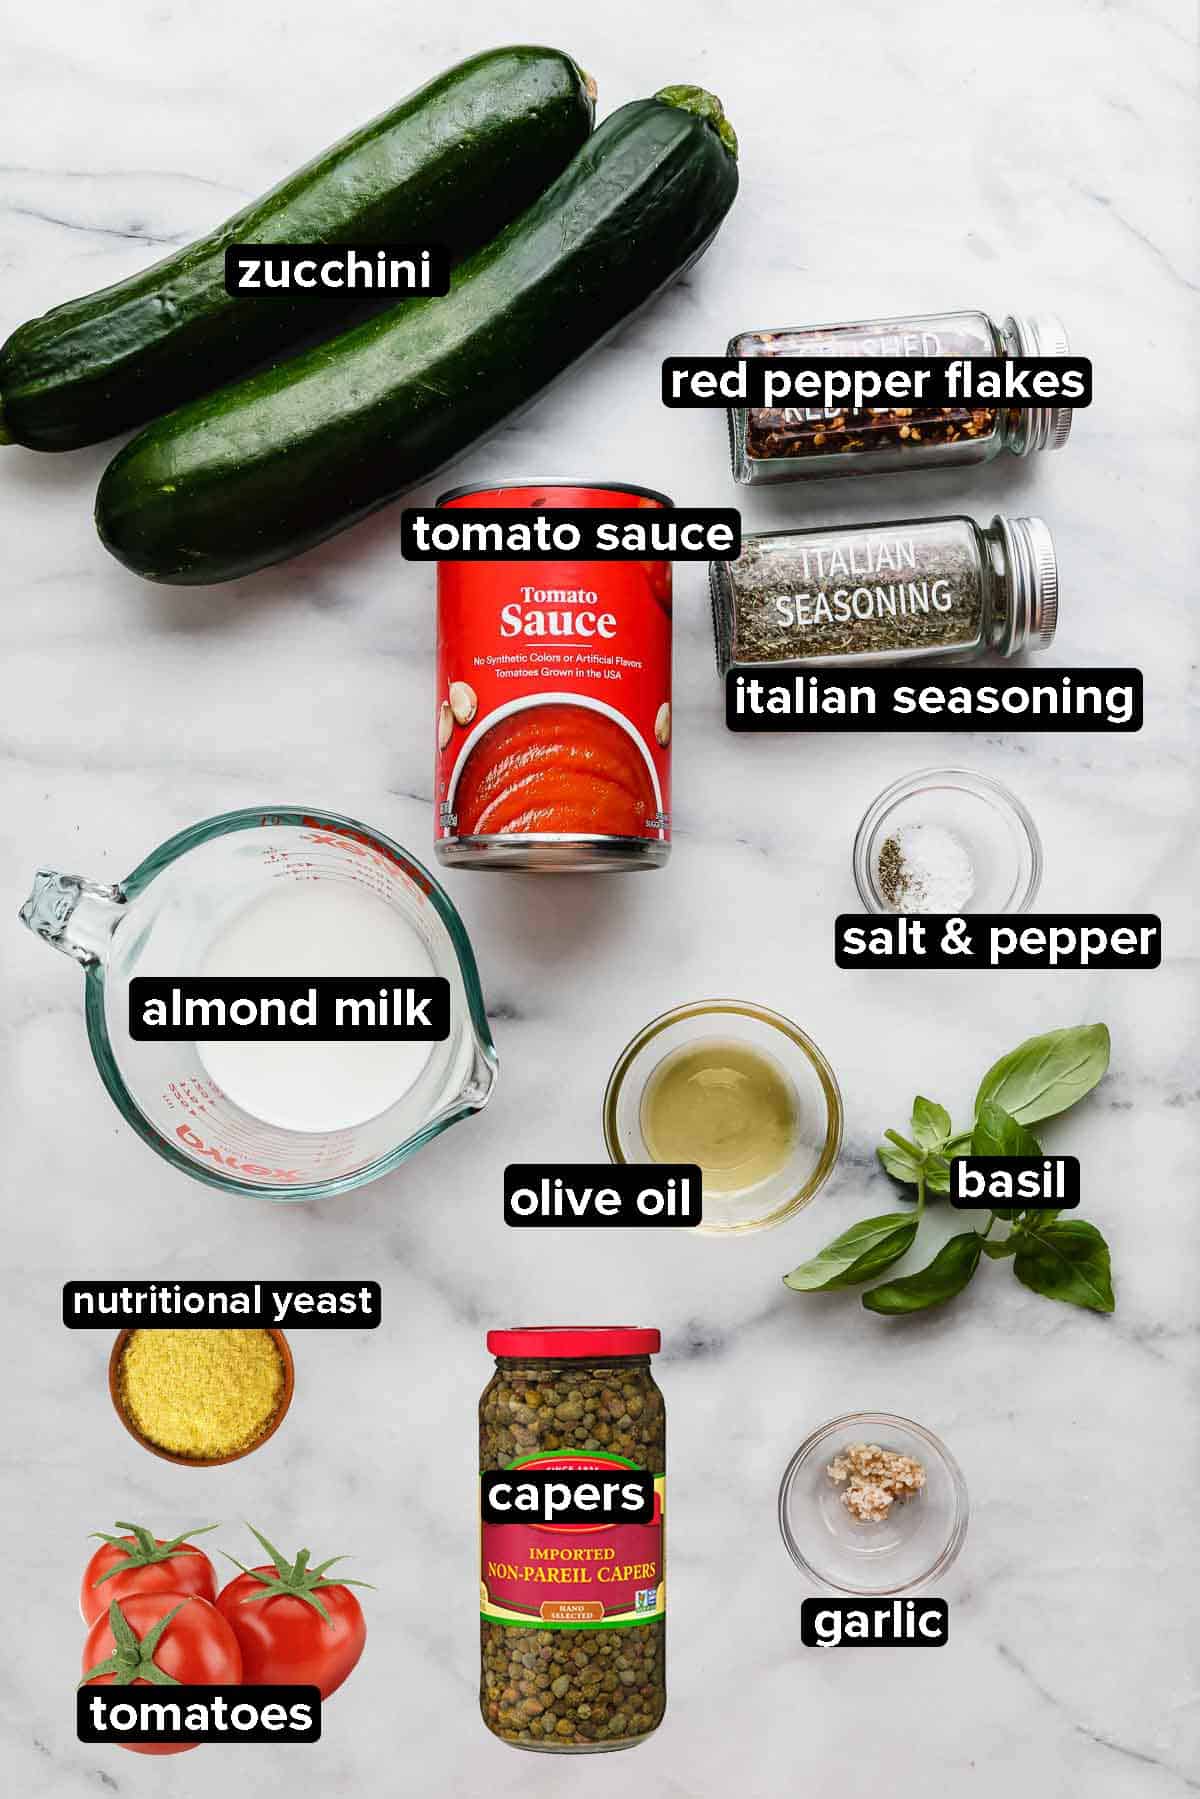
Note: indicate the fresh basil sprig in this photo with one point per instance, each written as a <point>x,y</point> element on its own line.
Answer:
<point>1062,1259</point>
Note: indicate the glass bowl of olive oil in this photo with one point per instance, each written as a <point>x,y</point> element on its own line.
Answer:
<point>739,1090</point>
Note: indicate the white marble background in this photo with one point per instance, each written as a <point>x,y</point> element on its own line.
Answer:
<point>1034,155</point>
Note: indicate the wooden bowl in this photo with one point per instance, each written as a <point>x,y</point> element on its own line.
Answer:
<point>192,1461</point>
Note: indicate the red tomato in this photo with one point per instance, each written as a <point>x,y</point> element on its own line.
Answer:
<point>197,1647</point>
<point>146,1564</point>
<point>284,1639</point>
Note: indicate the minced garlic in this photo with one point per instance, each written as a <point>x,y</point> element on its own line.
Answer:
<point>202,1394</point>
<point>876,1479</point>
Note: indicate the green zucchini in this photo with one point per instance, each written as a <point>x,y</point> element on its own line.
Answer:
<point>449,166</point>
<point>266,468</point>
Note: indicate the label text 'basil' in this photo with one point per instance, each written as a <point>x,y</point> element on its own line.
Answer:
<point>1033,1183</point>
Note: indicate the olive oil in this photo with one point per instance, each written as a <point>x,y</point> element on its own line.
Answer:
<point>722,1104</point>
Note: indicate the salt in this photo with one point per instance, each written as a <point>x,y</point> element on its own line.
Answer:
<point>925,868</point>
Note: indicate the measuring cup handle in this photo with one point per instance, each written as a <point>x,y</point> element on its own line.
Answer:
<point>77,916</point>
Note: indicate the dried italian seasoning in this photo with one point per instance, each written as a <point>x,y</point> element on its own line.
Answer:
<point>923,589</point>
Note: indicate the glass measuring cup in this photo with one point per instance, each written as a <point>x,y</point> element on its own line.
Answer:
<point>161,919</point>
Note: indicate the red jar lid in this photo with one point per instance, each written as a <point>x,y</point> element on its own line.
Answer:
<point>568,1340</point>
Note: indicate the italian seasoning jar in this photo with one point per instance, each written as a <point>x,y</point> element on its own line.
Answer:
<point>936,589</point>
<point>573,1617</point>
<point>796,443</point>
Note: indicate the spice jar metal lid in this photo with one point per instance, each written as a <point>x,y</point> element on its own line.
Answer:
<point>569,1341</point>
<point>1031,618</point>
<point>1042,334</point>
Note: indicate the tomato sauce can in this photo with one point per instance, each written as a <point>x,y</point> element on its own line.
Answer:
<point>553,713</point>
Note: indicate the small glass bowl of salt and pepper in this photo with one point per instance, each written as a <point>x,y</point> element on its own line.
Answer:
<point>949,841</point>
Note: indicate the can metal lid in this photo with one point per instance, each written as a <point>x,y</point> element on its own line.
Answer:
<point>569,1341</point>
<point>1033,584</point>
<point>489,490</point>
<point>1042,334</point>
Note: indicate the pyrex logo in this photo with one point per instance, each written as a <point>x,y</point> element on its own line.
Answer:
<point>200,1149</point>
<point>354,843</point>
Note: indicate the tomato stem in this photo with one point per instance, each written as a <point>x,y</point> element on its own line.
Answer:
<point>294,1580</point>
<point>145,1549</point>
<point>133,1656</point>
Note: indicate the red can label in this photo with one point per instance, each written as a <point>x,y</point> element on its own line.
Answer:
<point>574,1576</point>
<point>554,688</point>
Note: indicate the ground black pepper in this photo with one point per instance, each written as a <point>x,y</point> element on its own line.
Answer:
<point>892,878</point>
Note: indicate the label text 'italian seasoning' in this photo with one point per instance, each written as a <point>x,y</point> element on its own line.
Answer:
<point>953,699</point>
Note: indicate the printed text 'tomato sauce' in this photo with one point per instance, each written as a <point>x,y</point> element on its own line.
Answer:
<point>554,701</point>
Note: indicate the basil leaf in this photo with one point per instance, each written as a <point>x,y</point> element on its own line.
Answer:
<point>930,1123</point>
<point>899,1164</point>
<point>1066,1260</point>
<point>998,1133</point>
<point>1045,1075</point>
<point>937,1175</point>
<point>947,1274</point>
<point>999,1247</point>
<point>862,1251</point>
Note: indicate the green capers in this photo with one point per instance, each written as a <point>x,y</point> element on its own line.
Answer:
<point>578,1688</point>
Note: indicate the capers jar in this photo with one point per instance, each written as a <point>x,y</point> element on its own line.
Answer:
<point>572,1614</point>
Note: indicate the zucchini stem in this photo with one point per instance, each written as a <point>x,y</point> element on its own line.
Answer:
<point>705,106</point>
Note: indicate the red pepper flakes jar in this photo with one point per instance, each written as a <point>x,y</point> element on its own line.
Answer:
<point>554,700</point>
<point>573,1617</point>
<point>792,443</point>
